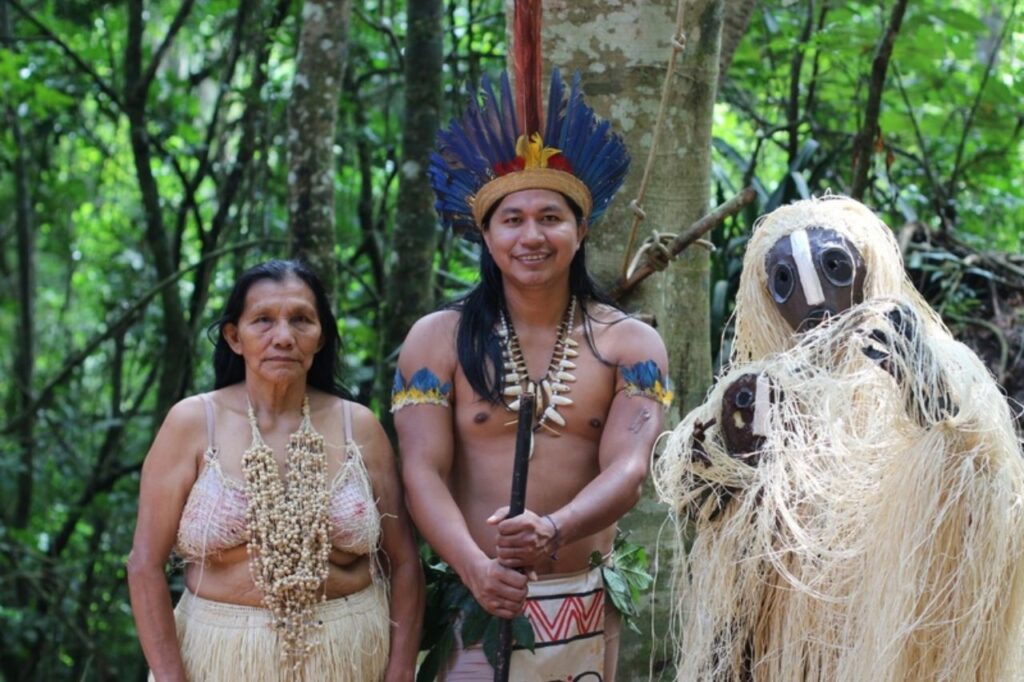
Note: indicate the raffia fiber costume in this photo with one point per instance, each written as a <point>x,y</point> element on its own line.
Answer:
<point>879,532</point>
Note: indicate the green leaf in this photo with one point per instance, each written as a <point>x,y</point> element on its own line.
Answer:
<point>490,641</point>
<point>522,632</point>
<point>436,657</point>
<point>803,191</point>
<point>962,21</point>
<point>475,622</point>
<point>455,597</point>
<point>626,579</point>
<point>618,591</point>
<point>48,98</point>
<point>805,155</point>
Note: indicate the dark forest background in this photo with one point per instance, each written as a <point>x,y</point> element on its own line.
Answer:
<point>151,150</point>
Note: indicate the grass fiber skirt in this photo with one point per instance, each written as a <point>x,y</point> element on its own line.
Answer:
<point>221,642</point>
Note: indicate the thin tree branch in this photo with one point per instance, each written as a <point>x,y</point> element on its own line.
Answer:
<point>989,65</point>
<point>191,185</point>
<point>24,342</point>
<point>687,237</point>
<point>393,41</point>
<point>939,198</point>
<point>101,478</point>
<point>863,146</point>
<point>795,67</point>
<point>176,24</point>
<point>229,189</point>
<point>812,86</point>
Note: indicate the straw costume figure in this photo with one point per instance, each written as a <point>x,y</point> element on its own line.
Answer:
<point>871,525</point>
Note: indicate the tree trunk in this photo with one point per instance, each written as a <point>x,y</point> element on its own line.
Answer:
<point>410,288</point>
<point>312,118</point>
<point>865,142</point>
<point>177,342</point>
<point>24,351</point>
<point>623,52</point>
<point>734,26</point>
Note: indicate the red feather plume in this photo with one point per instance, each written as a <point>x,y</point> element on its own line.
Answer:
<point>526,61</point>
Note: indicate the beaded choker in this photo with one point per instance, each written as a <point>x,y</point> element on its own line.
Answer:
<point>556,380</point>
<point>289,540</point>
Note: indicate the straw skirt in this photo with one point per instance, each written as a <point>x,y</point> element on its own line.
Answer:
<point>221,642</point>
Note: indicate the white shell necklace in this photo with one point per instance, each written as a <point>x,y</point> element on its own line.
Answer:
<point>289,525</point>
<point>556,380</point>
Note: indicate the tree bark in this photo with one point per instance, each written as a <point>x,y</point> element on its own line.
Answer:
<point>796,65</point>
<point>410,293</point>
<point>623,51</point>
<point>250,140</point>
<point>177,342</point>
<point>734,27</point>
<point>864,144</point>
<point>24,351</point>
<point>312,120</point>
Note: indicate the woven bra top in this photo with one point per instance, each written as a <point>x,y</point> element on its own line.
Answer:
<point>214,517</point>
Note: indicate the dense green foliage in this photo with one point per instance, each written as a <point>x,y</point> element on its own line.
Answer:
<point>213,115</point>
<point>221,84</point>
<point>949,153</point>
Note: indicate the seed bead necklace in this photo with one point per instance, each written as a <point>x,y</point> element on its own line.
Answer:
<point>557,379</point>
<point>289,540</point>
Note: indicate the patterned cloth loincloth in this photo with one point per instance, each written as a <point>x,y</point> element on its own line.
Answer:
<point>568,616</point>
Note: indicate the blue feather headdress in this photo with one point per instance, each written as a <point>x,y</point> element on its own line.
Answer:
<point>490,153</point>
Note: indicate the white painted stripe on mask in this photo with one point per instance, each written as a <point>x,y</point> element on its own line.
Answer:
<point>801,246</point>
<point>762,405</point>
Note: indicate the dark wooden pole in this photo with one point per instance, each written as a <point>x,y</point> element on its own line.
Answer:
<point>516,505</point>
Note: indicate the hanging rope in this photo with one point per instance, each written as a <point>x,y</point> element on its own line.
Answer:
<point>678,43</point>
<point>674,244</point>
<point>656,250</point>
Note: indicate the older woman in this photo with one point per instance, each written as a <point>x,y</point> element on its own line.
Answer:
<point>283,500</point>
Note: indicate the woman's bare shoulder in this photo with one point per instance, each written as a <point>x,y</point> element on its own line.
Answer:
<point>328,406</point>
<point>369,435</point>
<point>184,430</point>
<point>186,415</point>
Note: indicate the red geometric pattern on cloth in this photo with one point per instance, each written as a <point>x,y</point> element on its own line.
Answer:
<point>555,620</point>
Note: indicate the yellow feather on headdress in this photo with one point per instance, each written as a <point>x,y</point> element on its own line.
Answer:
<point>533,151</point>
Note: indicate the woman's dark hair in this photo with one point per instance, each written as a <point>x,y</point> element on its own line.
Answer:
<point>228,366</point>
<point>477,344</point>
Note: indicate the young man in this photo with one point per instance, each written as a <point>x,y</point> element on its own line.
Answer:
<point>534,323</point>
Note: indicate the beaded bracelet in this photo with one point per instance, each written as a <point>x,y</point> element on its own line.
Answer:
<point>554,538</point>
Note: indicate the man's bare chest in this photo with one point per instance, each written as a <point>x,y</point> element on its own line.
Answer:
<point>582,410</point>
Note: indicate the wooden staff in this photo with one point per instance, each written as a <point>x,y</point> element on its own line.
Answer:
<point>516,505</point>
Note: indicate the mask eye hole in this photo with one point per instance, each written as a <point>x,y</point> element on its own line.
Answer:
<point>781,282</point>
<point>837,266</point>
<point>744,398</point>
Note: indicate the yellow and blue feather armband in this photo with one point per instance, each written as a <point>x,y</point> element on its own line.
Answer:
<point>423,388</point>
<point>646,379</point>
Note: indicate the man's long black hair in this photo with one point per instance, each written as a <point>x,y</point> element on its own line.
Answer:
<point>477,343</point>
